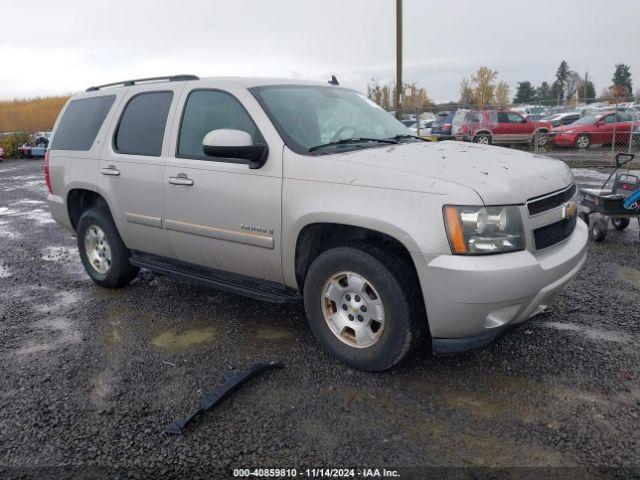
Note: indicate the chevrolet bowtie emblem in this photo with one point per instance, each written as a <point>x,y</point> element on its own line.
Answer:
<point>569,209</point>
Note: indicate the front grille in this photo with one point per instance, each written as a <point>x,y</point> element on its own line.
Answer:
<point>547,203</point>
<point>549,235</point>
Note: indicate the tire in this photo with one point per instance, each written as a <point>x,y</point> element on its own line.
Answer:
<point>336,271</point>
<point>585,217</point>
<point>482,139</point>
<point>543,138</point>
<point>598,230</point>
<point>583,141</point>
<point>620,223</point>
<point>103,253</point>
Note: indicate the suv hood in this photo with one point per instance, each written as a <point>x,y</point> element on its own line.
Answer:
<point>499,175</point>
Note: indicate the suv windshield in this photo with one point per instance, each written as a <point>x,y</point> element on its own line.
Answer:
<point>308,117</point>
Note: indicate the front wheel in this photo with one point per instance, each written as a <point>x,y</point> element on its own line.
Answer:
<point>598,230</point>
<point>103,253</point>
<point>361,307</point>
<point>583,142</point>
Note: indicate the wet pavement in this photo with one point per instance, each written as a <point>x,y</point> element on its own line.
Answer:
<point>90,376</point>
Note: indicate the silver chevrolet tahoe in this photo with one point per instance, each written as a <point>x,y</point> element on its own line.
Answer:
<point>284,190</point>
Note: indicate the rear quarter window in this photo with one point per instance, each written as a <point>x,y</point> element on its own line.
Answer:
<point>81,122</point>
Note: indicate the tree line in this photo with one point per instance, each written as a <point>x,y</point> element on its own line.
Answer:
<point>569,85</point>
<point>483,89</point>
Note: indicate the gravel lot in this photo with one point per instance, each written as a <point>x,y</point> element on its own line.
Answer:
<point>84,380</point>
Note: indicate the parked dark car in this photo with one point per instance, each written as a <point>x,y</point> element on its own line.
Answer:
<point>442,126</point>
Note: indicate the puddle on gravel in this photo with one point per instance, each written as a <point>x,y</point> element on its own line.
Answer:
<point>172,340</point>
<point>275,333</point>
<point>112,336</point>
<point>588,332</point>
<point>629,275</point>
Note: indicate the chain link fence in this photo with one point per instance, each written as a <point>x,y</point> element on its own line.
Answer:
<point>592,132</point>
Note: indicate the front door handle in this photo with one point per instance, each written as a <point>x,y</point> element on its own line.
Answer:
<point>110,170</point>
<point>181,179</point>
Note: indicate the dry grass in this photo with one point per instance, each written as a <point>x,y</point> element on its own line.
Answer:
<point>31,114</point>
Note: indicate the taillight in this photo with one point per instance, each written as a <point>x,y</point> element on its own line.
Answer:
<point>446,126</point>
<point>47,177</point>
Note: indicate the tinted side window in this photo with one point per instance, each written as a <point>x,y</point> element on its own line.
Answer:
<point>141,127</point>
<point>80,123</point>
<point>624,117</point>
<point>515,118</point>
<point>208,110</point>
<point>503,117</point>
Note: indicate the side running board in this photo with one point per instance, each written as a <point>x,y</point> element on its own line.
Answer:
<point>229,282</point>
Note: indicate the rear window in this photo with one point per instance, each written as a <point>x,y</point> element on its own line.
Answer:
<point>141,127</point>
<point>80,123</point>
<point>443,119</point>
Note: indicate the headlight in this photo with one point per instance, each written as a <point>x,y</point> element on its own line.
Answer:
<point>483,230</point>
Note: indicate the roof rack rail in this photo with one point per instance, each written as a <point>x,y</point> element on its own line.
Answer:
<point>128,83</point>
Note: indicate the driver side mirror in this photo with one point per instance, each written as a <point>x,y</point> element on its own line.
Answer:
<point>236,144</point>
<point>624,158</point>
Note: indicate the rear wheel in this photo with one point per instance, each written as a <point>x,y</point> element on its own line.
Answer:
<point>103,253</point>
<point>598,230</point>
<point>361,307</point>
<point>620,223</point>
<point>482,139</point>
<point>583,141</point>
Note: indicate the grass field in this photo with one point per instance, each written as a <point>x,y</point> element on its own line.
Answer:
<point>31,114</point>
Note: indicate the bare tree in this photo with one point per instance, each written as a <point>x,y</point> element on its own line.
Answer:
<point>374,92</point>
<point>466,92</point>
<point>573,81</point>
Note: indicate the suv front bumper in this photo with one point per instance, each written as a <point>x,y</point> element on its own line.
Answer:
<point>471,299</point>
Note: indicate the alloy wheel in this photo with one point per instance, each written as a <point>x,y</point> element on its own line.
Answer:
<point>353,309</point>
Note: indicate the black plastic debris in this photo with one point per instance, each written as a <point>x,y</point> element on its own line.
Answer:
<point>233,381</point>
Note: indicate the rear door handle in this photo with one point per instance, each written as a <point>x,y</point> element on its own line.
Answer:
<point>110,170</point>
<point>181,179</point>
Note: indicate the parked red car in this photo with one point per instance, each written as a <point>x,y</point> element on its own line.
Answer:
<point>602,128</point>
<point>500,127</point>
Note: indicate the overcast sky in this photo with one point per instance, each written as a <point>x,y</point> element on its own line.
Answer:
<point>51,47</point>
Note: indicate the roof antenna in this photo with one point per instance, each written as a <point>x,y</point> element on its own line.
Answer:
<point>333,81</point>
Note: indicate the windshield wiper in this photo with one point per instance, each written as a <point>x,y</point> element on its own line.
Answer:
<point>404,136</point>
<point>347,141</point>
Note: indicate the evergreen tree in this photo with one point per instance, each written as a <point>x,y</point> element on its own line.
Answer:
<point>622,76</point>
<point>562,75</point>
<point>525,93</point>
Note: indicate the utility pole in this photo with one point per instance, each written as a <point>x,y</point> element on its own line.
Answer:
<point>398,57</point>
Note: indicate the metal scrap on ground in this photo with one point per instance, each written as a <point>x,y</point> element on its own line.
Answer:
<point>209,400</point>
